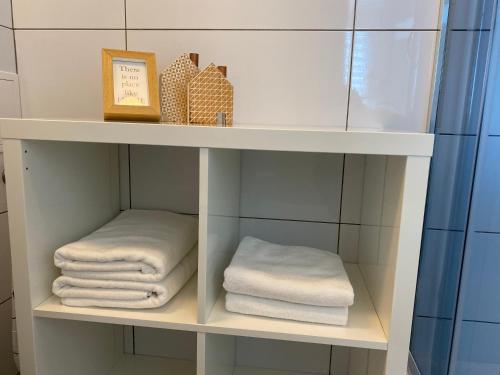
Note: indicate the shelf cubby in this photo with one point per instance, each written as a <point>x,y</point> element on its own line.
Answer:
<point>363,329</point>
<point>68,178</point>
<point>82,348</point>
<point>232,355</point>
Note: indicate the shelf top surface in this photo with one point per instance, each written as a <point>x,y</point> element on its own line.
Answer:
<point>244,137</point>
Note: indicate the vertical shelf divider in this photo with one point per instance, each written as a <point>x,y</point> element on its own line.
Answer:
<point>219,222</point>
<point>216,354</point>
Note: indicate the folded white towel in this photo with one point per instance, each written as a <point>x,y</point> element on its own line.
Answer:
<point>137,245</point>
<point>288,273</point>
<point>126,294</point>
<point>286,310</point>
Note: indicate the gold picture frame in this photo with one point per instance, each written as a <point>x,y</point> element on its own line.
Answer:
<point>130,86</point>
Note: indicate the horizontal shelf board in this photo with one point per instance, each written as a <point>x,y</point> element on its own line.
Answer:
<point>240,370</point>
<point>363,329</point>
<point>140,364</point>
<point>244,137</point>
<point>179,313</point>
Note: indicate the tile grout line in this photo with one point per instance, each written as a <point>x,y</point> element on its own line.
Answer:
<point>480,321</point>
<point>455,135</point>
<point>340,205</point>
<point>125,20</point>
<point>485,232</point>
<point>344,156</point>
<point>128,157</point>
<point>15,56</point>
<point>12,14</point>
<point>350,67</point>
<point>471,30</point>
<point>346,125</point>
<point>297,220</point>
<point>330,363</point>
<point>282,29</point>
<point>6,300</point>
<point>432,317</point>
<point>216,29</point>
<point>445,230</point>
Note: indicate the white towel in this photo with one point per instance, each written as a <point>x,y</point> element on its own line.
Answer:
<point>125,294</point>
<point>286,310</point>
<point>137,245</point>
<point>288,273</point>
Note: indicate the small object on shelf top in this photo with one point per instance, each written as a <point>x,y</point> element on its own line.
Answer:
<point>223,70</point>
<point>130,88</point>
<point>195,58</point>
<point>221,119</point>
<point>208,93</point>
<point>174,81</point>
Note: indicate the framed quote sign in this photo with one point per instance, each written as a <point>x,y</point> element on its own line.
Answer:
<point>130,87</point>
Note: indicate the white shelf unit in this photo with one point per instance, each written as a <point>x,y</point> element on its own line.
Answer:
<point>66,178</point>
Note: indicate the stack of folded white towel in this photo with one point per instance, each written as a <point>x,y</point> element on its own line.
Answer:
<point>288,282</point>
<point>140,259</point>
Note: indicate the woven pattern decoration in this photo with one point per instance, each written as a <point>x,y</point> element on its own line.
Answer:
<point>208,93</point>
<point>173,90</point>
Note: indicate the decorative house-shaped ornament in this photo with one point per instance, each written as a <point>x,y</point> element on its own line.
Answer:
<point>174,82</point>
<point>210,93</point>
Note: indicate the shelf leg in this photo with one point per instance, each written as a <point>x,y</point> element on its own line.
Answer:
<point>412,215</point>
<point>15,168</point>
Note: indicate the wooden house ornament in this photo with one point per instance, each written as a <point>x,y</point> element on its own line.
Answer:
<point>210,93</point>
<point>174,82</point>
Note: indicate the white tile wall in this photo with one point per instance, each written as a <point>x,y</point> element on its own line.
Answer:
<point>5,263</point>
<point>5,13</point>
<point>7,54</point>
<point>7,365</point>
<point>9,95</point>
<point>293,186</point>
<point>175,172</point>
<point>340,360</point>
<point>376,362</point>
<point>358,361</point>
<point>299,233</point>
<point>165,343</point>
<point>279,77</point>
<point>391,84</point>
<point>397,14</point>
<point>72,14</point>
<point>373,190</point>
<point>291,76</point>
<point>245,14</point>
<point>60,71</point>
<point>349,242</point>
<point>283,355</point>
<point>352,193</point>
